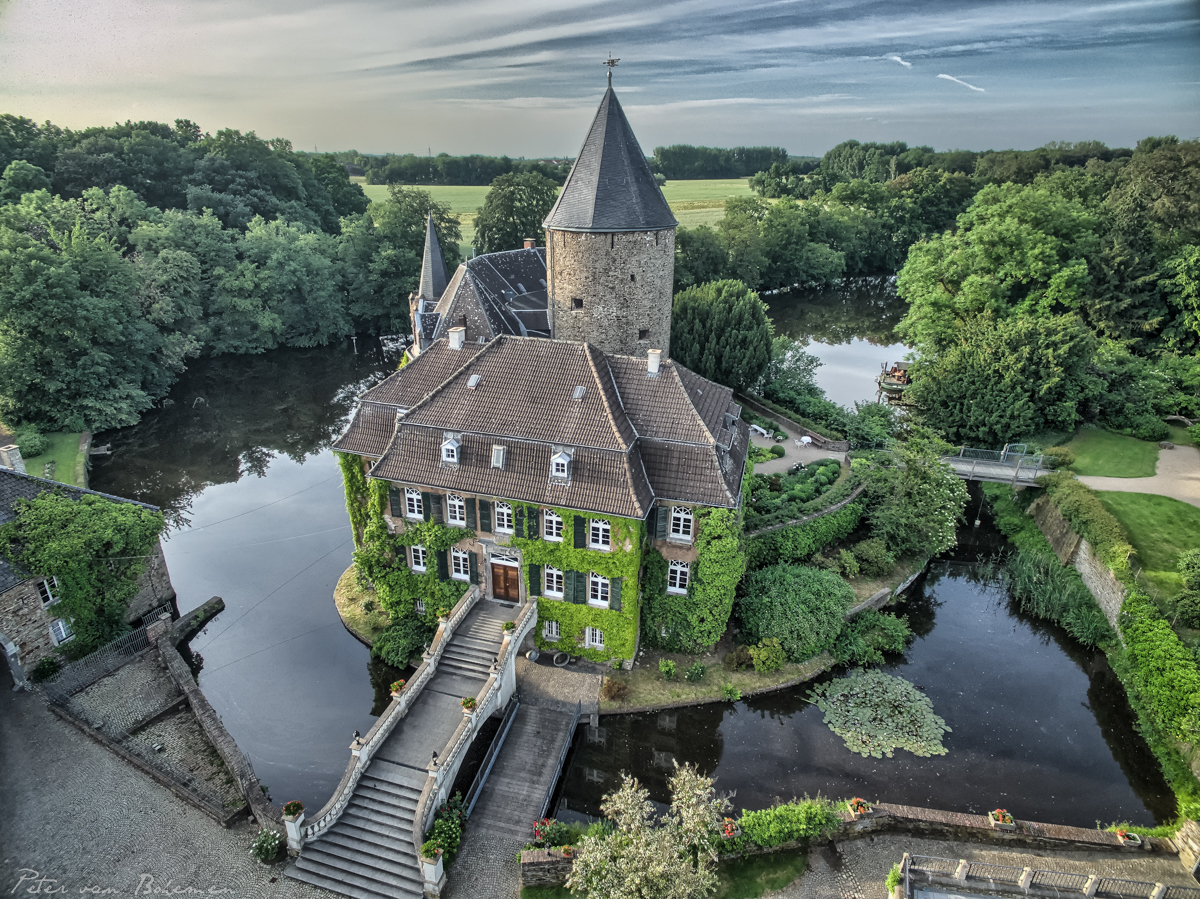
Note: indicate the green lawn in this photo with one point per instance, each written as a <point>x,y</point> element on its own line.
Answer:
<point>1160,528</point>
<point>63,452</point>
<point>1108,455</point>
<point>745,878</point>
<point>1179,436</point>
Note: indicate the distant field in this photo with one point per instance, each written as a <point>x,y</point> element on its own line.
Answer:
<point>693,202</point>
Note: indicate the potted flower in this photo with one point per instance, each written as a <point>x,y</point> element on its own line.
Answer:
<point>509,626</point>
<point>1001,820</point>
<point>293,810</point>
<point>267,846</point>
<point>566,851</point>
<point>468,704</point>
<point>858,807</point>
<point>730,829</point>
<point>397,688</point>
<point>431,862</point>
<point>1128,839</point>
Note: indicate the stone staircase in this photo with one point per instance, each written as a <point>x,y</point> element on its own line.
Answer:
<point>368,853</point>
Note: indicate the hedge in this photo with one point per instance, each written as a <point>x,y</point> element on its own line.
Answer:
<point>806,820</point>
<point>801,542</point>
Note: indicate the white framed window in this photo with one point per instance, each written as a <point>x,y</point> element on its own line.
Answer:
<point>420,556</point>
<point>560,465</point>
<point>47,587</point>
<point>504,518</point>
<point>420,607</point>
<point>450,447</point>
<point>593,638</point>
<point>60,631</point>
<point>553,581</point>
<point>677,577</point>
<point>599,533</point>
<point>598,591</point>
<point>681,523</point>
<point>552,525</point>
<point>412,503</point>
<point>460,565</point>
<point>551,631</point>
<point>456,508</point>
<point>498,453</point>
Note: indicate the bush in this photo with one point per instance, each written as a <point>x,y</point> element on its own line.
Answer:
<point>368,605</point>
<point>1187,605</point>
<point>869,635</point>
<point>801,542</point>
<point>1044,588</point>
<point>401,641</point>
<point>1058,457</point>
<point>666,668</point>
<point>1090,520</point>
<point>45,669</point>
<point>767,656</point>
<point>730,693</point>
<point>1164,671</point>
<point>446,833</point>
<point>847,564</point>
<point>806,820</point>
<point>1193,431</point>
<point>873,557</point>
<point>1152,429</point>
<point>893,879</point>
<point>800,607</point>
<point>742,657</point>
<point>778,451</point>
<point>695,673</point>
<point>613,689</point>
<point>30,442</point>
<point>267,845</point>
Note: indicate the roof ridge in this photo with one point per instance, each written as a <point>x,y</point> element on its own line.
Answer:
<point>587,353</point>
<point>691,405</point>
<point>454,374</point>
<point>120,499</point>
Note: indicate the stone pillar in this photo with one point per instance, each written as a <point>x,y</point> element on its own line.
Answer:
<point>434,873</point>
<point>508,674</point>
<point>295,834</point>
<point>156,630</point>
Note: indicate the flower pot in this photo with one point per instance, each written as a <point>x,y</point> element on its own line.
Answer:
<point>1129,839</point>
<point>862,811</point>
<point>561,659</point>
<point>998,824</point>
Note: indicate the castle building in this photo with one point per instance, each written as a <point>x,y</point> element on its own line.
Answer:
<point>539,411</point>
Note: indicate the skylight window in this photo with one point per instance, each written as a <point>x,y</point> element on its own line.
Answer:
<point>498,453</point>
<point>579,392</point>
<point>473,382</point>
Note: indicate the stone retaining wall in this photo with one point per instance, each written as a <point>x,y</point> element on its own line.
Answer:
<point>544,867</point>
<point>1074,550</point>
<point>1187,844</point>
<point>819,440</point>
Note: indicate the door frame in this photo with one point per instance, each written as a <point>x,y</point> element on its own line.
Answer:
<point>511,563</point>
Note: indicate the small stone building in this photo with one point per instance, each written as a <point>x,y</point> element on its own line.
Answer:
<point>29,629</point>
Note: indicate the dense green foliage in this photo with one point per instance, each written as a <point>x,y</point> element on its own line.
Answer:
<point>720,330</point>
<point>810,819</point>
<point>682,162</point>
<point>402,641</point>
<point>802,608</point>
<point>1046,589</point>
<point>446,833</point>
<point>801,490</point>
<point>868,635</point>
<point>1088,518</point>
<point>407,168</point>
<point>876,714</point>
<point>354,484</point>
<point>513,210</point>
<point>799,543</point>
<point>718,569</point>
<point>95,548</point>
<point>873,557</point>
<point>1187,603</point>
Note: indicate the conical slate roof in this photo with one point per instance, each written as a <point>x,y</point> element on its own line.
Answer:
<point>611,187</point>
<point>433,265</point>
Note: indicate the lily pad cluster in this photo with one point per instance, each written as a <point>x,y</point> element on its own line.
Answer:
<point>876,714</point>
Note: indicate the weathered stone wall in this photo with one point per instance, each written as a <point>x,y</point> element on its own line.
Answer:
<point>154,588</point>
<point>1073,549</point>
<point>544,867</point>
<point>1057,529</point>
<point>1187,842</point>
<point>26,624</point>
<point>625,282</point>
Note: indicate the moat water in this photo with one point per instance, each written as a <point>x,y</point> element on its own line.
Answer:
<point>240,463</point>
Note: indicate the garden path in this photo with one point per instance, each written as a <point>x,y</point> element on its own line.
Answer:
<point>793,453</point>
<point>1177,476</point>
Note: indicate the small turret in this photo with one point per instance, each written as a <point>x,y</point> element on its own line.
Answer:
<point>429,290</point>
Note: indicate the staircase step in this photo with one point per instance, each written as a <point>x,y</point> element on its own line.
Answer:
<point>400,794</point>
<point>467,654</point>
<point>483,640</point>
<point>372,886</point>
<point>402,855</point>
<point>375,804</point>
<point>326,878</point>
<point>398,872</point>
<point>400,775</point>
<point>354,831</point>
<point>365,819</point>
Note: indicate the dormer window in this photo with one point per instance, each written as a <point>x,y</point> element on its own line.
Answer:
<point>560,466</point>
<point>498,453</point>
<point>450,450</point>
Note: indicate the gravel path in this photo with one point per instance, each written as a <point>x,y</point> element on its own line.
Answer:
<point>1177,476</point>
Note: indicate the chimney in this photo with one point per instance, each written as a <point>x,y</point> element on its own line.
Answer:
<point>653,361</point>
<point>457,336</point>
<point>10,457</point>
<point>530,243</point>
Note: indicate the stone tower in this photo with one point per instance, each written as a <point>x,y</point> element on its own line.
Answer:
<point>610,244</point>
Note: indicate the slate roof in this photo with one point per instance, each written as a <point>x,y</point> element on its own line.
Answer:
<point>507,288</point>
<point>16,486</point>
<point>635,438</point>
<point>433,265</point>
<point>611,187</point>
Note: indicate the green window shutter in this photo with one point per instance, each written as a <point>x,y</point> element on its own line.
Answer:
<point>426,505</point>
<point>614,594</point>
<point>581,587</point>
<point>472,522</point>
<point>568,586</point>
<point>443,564</point>
<point>535,580</point>
<point>485,516</point>
<point>396,501</point>
<point>435,508</point>
<point>473,562</point>
<point>580,532</point>
<point>652,522</point>
<point>534,517</point>
<point>519,515</point>
<point>664,521</point>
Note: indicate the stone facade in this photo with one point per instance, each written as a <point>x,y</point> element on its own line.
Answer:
<point>1074,550</point>
<point>1187,842</point>
<point>625,283</point>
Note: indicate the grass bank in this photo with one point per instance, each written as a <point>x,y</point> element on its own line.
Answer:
<point>358,606</point>
<point>865,588</point>
<point>743,878</point>
<point>1160,528</point>
<point>62,461</point>
<point>1104,454</point>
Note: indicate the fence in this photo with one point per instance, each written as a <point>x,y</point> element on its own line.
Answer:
<point>104,661</point>
<point>562,757</point>
<point>920,869</point>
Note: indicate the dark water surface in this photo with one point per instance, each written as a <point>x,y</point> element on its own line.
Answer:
<point>1040,726</point>
<point>240,463</point>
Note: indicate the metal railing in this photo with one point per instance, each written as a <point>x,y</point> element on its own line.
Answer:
<point>100,663</point>
<point>562,757</point>
<point>485,767</point>
<point>923,869</point>
<point>1059,880</point>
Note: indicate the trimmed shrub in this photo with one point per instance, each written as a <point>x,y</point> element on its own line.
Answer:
<point>873,557</point>
<point>666,668</point>
<point>1149,428</point>
<point>401,641</point>
<point>778,451</point>
<point>870,634</point>
<point>741,657</point>
<point>800,607</point>
<point>1058,457</point>
<point>801,542</point>
<point>767,656</point>
<point>806,820</point>
<point>30,442</point>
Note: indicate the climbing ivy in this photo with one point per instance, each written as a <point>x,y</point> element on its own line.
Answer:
<point>95,548</point>
<point>354,480</point>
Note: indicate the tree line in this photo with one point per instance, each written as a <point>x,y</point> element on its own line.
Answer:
<point>683,162</point>
<point>408,168</point>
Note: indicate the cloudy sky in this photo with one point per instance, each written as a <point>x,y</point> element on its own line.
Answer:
<point>524,76</point>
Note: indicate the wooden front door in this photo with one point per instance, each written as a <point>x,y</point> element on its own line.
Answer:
<point>506,583</point>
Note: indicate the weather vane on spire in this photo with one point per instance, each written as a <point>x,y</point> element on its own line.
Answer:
<point>611,63</point>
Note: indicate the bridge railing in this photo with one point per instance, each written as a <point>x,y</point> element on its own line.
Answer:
<point>386,723</point>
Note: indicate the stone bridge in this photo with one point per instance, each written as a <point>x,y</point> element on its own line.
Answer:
<point>366,841</point>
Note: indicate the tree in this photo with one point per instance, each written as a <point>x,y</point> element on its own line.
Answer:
<point>513,210</point>
<point>741,233</point>
<point>721,331</point>
<point>21,178</point>
<point>700,257</point>
<point>915,504</point>
<point>802,608</point>
<point>674,858</point>
<point>1000,381</point>
<point>347,197</point>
